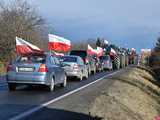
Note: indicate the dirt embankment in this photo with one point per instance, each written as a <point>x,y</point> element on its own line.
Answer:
<point>134,95</point>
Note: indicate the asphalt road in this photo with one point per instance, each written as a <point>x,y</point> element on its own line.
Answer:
<point>13,104</point>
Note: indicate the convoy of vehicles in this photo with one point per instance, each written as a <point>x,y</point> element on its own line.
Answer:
<point>49,70</point>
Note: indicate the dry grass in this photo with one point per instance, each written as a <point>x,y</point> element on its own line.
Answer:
<point>133,96</point>
<point>141,78</point>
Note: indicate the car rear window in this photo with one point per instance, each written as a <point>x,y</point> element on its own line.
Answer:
<point>104,57</point>
<point>69,59</point>
<point>32,59</point>
<point>82,54</point>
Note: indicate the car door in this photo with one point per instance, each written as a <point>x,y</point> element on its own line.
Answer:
<point>60,70</point>
<point>54,69</point>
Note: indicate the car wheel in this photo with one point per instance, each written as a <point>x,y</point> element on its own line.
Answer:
<point>94,71</point>
<point>87,75</point>
<point>11,87</point>
<point>64,82</point>
<point>89,72</point>
<point>81,77</point>
<point>102,69</point>
<point>51,86</point>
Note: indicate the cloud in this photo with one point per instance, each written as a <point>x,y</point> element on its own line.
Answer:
<point>135,21</point>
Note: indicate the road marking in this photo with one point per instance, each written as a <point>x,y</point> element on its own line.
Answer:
<point>32,110</point>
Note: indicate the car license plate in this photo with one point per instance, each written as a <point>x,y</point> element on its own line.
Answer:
<point>25,69</point>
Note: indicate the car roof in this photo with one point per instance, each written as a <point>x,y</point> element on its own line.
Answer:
<point>79,50</point>
<point>71,56</point>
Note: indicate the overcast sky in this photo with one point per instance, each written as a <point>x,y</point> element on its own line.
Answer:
<point>130,23</point>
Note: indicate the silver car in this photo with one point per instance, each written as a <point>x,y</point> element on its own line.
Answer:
<point>75,67</point>
<point>36,70</point>
<point>106,62</point>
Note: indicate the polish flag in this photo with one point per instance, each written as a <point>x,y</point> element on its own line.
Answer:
<point>25,48</point>
<point>99,51</point>
<point>57,43</point>
<point>91,51</point>
<point>58,54</point>
<point>113,52</point>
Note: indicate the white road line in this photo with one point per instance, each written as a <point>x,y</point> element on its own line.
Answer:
<point>32,110</point>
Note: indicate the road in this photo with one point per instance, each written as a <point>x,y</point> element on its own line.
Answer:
<point>74,98</point>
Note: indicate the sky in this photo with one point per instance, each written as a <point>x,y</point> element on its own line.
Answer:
<point>127,23</point>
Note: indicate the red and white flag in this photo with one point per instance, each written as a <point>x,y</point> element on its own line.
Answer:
<point>57,43</point>
<point>99,51</point>
<point>58,54</point>
<point>25,48</point>
<point>113,52</point>
<point>91,51</point>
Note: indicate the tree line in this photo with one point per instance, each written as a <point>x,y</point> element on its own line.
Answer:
<point>19,18</point>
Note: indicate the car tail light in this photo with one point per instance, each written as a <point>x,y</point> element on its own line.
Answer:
<point>43,68</point>
<point>9,68</point>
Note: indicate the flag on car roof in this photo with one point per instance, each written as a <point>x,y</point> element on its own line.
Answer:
<point>91,51</point>
<point>58,43</point>
<point>99,51</point>
<point>113,52</point>
<point>25,48</point>
<point>58,54</point>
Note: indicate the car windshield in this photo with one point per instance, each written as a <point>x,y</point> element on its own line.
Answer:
<point>31,59</point>
<point>69,59</point>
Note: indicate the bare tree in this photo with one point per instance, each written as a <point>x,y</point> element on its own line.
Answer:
<point>82,45</point>
<point>19,19</point>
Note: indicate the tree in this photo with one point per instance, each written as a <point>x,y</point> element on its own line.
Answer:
<point>157,47</point>
<point>19,19</point>
<point>82,45</point>
<point>98,42</point>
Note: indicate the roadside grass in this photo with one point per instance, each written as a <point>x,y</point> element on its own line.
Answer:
<point>143,78</point>
<point>134,95</point>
